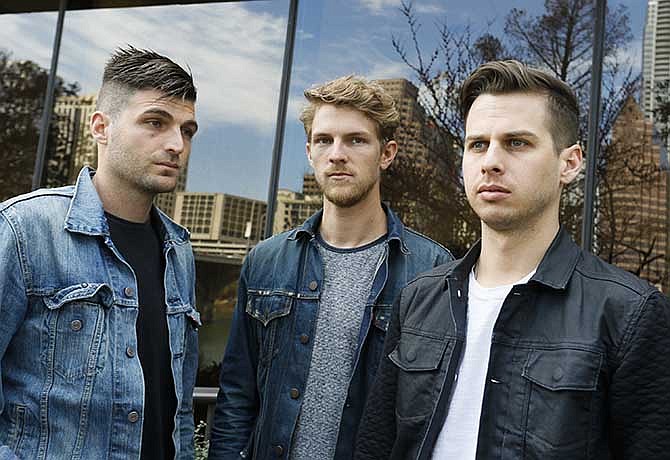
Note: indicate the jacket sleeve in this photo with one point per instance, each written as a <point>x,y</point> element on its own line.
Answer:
<point>13,304</point>
<point>237,402</point>
<point>189,374</point>
<point>639,389</point>
<point>376,433</point>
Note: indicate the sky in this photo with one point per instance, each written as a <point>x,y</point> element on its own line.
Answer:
<point>235,52</point>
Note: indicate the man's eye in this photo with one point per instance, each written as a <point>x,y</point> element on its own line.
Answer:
<point>322,141</point>
<point>517,143</point>
<point>477,146</point>
<point>189,133</point>
<point>358,140</point>
<point>155,123</point>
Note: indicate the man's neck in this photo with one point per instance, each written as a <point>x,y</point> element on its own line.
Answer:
<point>121,200</point>
<point>354,226</point>
<point>508,256</point>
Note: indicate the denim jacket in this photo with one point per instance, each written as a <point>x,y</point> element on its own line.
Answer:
<point>267,358</point>
<point>71,381</point>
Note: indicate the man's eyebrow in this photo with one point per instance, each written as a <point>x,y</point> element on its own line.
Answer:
<point>521,133</point>
<point>165,114</point>
<point>159,112</point>
<point>475,137</point>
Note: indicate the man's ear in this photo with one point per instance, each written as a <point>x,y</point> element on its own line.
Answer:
<point>389,152</point>
<point>99,125</point>
<point>571,163</point>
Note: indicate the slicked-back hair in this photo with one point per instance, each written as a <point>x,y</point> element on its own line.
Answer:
<point>358,93</point>
<point>130,69</point>
<point>506,77</point>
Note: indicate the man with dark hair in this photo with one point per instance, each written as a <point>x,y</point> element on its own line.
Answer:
<point>98,335</point>
<point>313,303</point>
<point>528,347</point>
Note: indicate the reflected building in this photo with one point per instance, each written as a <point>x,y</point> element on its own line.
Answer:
<point>634,216</point>
<point>75,147</point>
<point>166,201</point>
<point>221,225</point>
<point>655,53</point>
<point>293,208</point>
<point>416,135</point>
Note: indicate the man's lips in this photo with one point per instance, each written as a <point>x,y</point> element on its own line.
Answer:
<point>339,174</point>
<point>169,164</point>
<point>492,192</point>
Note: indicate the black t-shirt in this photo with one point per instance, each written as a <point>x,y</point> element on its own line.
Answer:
<point>142,248</point>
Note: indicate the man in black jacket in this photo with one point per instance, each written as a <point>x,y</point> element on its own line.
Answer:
<point>528,347</point>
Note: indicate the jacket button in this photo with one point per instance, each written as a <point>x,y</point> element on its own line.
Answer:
<point>278,450</point>
<point>76,325</point>
<point>295,394</point>
<point>133,416</point>
<point>558,374</point>
<point>304,338</point>
<point>130,352</point>
<point>128,291</point>
<point>313,285</point>
<point>411,355</point>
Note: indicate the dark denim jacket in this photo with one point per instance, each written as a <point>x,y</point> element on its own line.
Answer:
<point>268,354</point>
<point>71,382</point>
<point>579,366</point>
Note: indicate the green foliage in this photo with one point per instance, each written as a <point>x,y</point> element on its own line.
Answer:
<point>201,441</point>
<point>22,89</point>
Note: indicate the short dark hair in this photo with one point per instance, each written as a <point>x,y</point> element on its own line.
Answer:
<point>130,69</point>
<point>505,77</point>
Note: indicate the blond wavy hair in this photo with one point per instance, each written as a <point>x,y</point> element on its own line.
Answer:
<point>358,93</point>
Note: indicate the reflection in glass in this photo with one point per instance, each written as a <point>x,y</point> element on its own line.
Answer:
<point>634,189</point>
<point>25,52</point>
<point>235,51</point>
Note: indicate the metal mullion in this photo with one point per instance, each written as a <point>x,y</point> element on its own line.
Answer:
<point>593,145</point>
<point>38,172</point>
<point>278,146</point>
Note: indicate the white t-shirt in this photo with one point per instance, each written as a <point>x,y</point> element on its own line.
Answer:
<point>458,437</point>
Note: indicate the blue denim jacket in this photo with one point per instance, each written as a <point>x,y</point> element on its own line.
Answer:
<point>71,381</point>
<point>269,349</point>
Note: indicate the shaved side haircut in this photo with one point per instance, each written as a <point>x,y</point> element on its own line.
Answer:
<point>131,69</point>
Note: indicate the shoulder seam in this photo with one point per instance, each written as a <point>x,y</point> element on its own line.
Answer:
<point>421,235</point>
<point>616,280</point>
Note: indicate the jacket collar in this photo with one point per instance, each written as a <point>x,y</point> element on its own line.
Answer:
<point>555,269</point>
<point>86,214</point>
<point>395,230</point>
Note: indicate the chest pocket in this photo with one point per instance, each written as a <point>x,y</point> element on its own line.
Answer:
<point>266,307</point>
<point>418,358</point>
<point>76,321</point>
<point>563,383</point>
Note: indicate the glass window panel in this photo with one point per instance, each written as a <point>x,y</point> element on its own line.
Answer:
<point>376,39</point>
<point>26,42</point>
<point>235,52</point>
<point>634,185</point>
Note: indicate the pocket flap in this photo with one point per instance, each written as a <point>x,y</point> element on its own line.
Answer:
<point>266,306</point>
<point>99,293</point>
<point>564,369</point>
<point>417,352</point>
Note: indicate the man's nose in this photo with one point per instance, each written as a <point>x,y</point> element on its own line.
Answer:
<point>175,141</point>
<point>338,151</point>
<point>492,161</point>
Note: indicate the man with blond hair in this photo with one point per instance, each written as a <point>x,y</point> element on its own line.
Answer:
<point>313,303</point>
<point>528,347</point>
